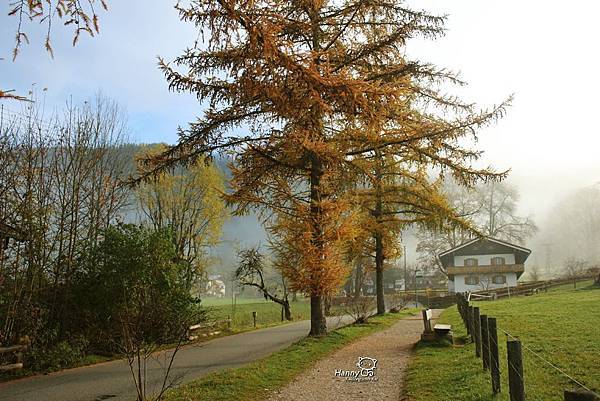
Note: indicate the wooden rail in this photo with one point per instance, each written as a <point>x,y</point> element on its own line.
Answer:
<point>18,351</point>
<point>531,288</point>
<point>208,329</point>
<point>518,268</point>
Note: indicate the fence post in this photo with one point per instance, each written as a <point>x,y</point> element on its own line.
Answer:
<point>579,395</point>
<point>516,383</point>
<point>254,317</point>
<point>485,342</point>
<point>477,328</point>
<point>494,363</point>
<point>469,323</point>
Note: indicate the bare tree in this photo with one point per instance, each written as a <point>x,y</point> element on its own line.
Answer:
<point>572,229</point>
<point>534,272</point>
<point>251,273</point>
<point>575,267</point>
<point>140,350</point>
<point>60,186</point>
<point>490,207</point>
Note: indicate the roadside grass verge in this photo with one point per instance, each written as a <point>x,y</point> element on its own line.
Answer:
<point>256,380</point>
<point>561,326</point>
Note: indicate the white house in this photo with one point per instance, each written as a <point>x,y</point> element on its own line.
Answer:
<point>483,264</point>
<point>215,287</point>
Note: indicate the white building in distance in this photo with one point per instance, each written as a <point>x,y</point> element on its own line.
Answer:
<point>483,264</point>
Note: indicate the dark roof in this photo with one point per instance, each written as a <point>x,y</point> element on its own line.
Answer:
<point>493,245</point>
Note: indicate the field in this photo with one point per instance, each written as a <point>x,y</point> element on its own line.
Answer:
<point>560,326</point>
<point>267,313</point>
<point>257,380</point>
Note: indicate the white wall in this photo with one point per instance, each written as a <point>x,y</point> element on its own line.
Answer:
<point>485,260</point>
<point>458,285</point>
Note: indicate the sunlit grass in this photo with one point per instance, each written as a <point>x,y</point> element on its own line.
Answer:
<point>561,326</point>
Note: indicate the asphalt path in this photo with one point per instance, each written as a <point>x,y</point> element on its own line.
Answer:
<point>112,381</point>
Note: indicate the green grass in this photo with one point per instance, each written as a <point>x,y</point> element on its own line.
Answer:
<point>213,301</point>
<point>267,313</point>
<point>257,380</point>
<point>561,326</point>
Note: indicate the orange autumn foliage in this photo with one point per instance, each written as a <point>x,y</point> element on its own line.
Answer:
<point>303,93</point>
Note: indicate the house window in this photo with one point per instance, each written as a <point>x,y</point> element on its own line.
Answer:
<point>499,279</point>
<point>471,262</point>
<point>472,280</point>
<point>498,261</point>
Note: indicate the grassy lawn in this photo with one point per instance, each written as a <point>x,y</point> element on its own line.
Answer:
<point>561,326</point>
<point>257,380</point>
<point>267,313</point>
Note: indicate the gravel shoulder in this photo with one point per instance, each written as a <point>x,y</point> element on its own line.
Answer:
<point>391,347</point>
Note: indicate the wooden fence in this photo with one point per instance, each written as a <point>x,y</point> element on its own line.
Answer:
<point>436,299</point>
<point>531,287</point>
<point>483,332</point>
<point>17,351</point>
<point>208,329</point>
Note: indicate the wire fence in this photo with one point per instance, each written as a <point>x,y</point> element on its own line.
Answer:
<point>482,330</point>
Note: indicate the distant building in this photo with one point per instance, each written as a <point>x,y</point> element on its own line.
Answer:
<point>483,264</point>
<point>215,287</point>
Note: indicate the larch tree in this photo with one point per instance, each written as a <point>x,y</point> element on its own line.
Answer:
<point>393,198</point>
<point>298,90</point>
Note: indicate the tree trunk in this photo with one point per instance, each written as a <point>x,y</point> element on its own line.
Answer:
<point>379,274</point>
<point>287,311</point>
<point>318,323</point>
<point>358,279</point>
<point>327,305</point>
<point>379,240</point>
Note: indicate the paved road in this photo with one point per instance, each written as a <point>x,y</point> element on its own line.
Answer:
<point>111,381</point>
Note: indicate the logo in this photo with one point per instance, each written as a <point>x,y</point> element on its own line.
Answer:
<point>367,369</point>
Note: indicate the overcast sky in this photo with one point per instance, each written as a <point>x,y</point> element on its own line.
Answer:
<point>543,52</point>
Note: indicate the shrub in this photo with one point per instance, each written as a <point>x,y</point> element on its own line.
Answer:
<point>133,276</point>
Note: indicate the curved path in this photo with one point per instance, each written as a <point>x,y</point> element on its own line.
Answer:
<point>111,381</point>
<point>391,348</point>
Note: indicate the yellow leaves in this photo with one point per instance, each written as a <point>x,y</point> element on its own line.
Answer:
<point>317,245</point>
<point>188,201</point>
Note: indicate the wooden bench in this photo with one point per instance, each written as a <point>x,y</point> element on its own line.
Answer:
<point>442,330</point>
<point>439,330</point>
